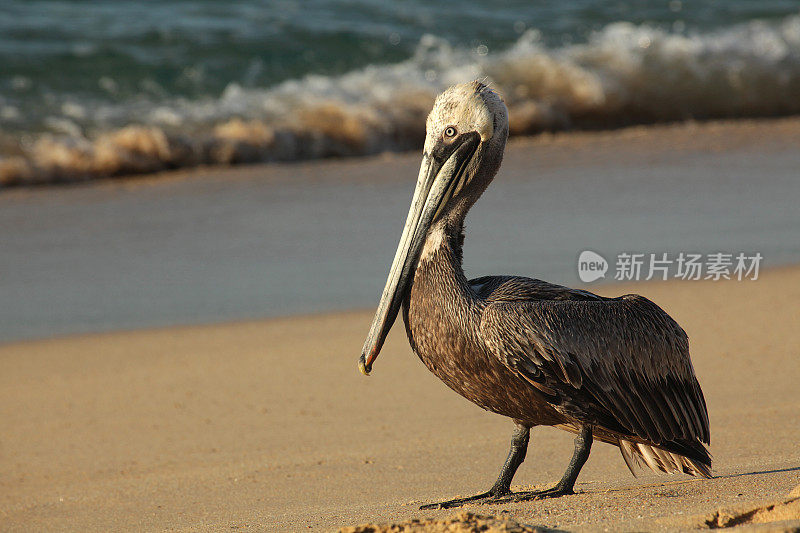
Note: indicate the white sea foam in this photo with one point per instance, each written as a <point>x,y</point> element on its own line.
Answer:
<point>622,74</point>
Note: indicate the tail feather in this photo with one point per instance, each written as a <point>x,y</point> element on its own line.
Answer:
<point>676,456</point>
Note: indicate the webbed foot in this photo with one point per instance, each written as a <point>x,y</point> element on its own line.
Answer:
<point>526,496</point>
<point>485,497</point>
<point>491,497</point>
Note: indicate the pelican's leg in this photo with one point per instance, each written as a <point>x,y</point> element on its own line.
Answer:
<point>583,445</point>
<point>501,487</point>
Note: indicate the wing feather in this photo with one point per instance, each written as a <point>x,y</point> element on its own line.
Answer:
<point>621,359</point>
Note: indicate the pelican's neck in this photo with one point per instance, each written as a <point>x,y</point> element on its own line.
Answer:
<point>441,255</point>
<point>444,241</point>
<point>441,301</point>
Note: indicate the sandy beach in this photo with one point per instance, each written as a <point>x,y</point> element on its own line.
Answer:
<point>269,426</point>
<point>199,203</point>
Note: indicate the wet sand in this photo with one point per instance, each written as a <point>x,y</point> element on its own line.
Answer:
<point>269,426</point>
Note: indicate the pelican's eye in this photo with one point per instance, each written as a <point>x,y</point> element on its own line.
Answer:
<point>450,132</point>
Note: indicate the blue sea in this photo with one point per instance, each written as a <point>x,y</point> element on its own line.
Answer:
<point>92,88</point>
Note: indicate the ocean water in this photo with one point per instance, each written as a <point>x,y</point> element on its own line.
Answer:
<point>94,88</point>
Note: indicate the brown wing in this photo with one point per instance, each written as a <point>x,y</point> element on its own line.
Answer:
<point>619,363</point>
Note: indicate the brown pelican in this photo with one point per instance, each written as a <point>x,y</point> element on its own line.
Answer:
<point>612,369</point>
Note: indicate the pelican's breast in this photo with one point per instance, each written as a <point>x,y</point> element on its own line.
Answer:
<point>442,317</point>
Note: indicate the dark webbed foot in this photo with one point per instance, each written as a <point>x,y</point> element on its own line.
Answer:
<point>531,495</point>
<point>485,497</point>
<point>508,497</point>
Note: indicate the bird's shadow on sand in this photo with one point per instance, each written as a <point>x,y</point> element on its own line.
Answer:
<point>592,490</point>
<point>757,472</point>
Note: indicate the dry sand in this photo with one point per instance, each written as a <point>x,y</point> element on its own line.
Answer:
<point>269,426</point>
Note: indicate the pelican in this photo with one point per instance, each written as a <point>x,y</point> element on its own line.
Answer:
<point>615,370</point>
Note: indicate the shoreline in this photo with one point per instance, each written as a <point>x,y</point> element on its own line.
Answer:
<point>269,425</point>
<point>599,287</point>
<point>717,133</point>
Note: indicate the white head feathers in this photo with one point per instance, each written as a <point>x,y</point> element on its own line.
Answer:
<point>467,107</point>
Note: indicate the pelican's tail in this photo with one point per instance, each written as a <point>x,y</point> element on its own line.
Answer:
<point>690,457</point>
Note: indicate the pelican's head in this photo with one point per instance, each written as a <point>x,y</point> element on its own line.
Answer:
<point>466,136</point>
<point>468,109</point>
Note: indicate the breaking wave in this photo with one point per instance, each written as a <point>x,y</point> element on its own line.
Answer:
<point>623,74</point>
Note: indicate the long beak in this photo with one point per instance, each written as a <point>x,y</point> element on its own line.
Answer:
<point>442,172</point>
